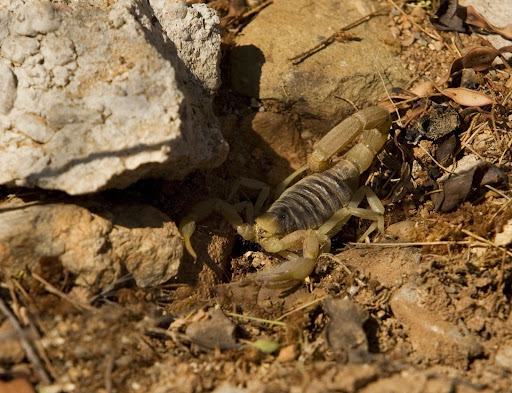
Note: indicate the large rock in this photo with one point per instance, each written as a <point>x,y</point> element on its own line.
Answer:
<point>97,245</point>
<point>262,66</point>
<point>99,96</point>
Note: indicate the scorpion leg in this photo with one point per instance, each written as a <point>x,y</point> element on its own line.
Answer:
<point>374,120</point>
<point>205,208</point>
<point>340,218</point>
<point>255,185</point>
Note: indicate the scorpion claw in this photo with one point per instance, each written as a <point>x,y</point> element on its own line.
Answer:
<point>289,273</point>
<point>186,229</point>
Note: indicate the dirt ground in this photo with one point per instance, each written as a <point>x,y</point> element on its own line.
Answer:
<point>377,316</point>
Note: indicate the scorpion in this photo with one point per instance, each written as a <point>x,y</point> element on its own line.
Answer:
<point>309,212</point>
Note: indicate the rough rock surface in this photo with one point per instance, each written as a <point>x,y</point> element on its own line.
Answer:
<point>262,66</point>
<point>97,246</point>
<point>96,96</point>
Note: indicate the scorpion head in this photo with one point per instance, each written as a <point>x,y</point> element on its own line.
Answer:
<point>268,225</point>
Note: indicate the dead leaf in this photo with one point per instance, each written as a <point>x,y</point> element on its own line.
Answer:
<point>475,19</point>
<point>466,97</point>
<point>479,59</point>
<point>469,177</point>
<point>344,332</point>
<point>455,191</point>
<point>449,15</point>
<point>424,89</point>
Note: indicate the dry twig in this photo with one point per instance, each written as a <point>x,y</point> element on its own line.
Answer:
<point>340,35</point>
<point>50,288</point>
<point>25,343</point>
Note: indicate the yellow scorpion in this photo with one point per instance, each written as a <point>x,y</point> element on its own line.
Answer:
<point>306,214</point>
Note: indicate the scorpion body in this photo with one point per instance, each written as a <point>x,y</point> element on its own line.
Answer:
<point>312,201</point>
<point>316,207</point>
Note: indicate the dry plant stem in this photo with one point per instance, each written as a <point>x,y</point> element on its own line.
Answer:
<point>499,192</point>
<point>435,161</point>
<point>301,307</point>
<point>475,236</point>
<point>27,320</point>
<point>257,9</point>
<point>434,37</point>
<point>418,244</point>
<point>329,40</point>
<point>29,351</point>
<point>505,205</point>
<point>50,288</point>
<point>108,372</point>
<point>276,322</point>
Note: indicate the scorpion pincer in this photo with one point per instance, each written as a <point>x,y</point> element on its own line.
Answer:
<point>306,214</point>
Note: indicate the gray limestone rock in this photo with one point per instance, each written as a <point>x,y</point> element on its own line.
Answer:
<point>96,96</point>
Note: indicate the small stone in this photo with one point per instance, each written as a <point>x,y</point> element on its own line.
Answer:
<point>287,354</point>
<point>407,41</point>
<point>136,238</point>
<point>504,356</point>
<point>504,238</point>
<point>402,230</point>
<point>18,385</point>
<point>215,332</point>
<point>344,332</point>
<point>11,350</point>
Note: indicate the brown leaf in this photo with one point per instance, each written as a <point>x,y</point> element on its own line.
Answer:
<point>475,19</point>
<point>424,89</point>
<point>479,59</point>
<point>466,97</point>
<point>449,15</point>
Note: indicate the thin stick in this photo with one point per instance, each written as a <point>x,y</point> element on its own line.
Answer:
<point>437,38</point>
<point>435,161</point>
<point>257,8</point>
<point>231,314</point>
<point>29,351</point>
<point>499,192</point>
<point>338,34</point>
<point>108,372</point>
<point>302,307</point>
<point>505,205</point>
<point>50,288</point>
<point>416,244</point>
<point>474,235</point>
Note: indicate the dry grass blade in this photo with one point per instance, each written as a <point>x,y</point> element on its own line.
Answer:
<point>50,288</point>
<point>475,236</point>
<point>25,343</point>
